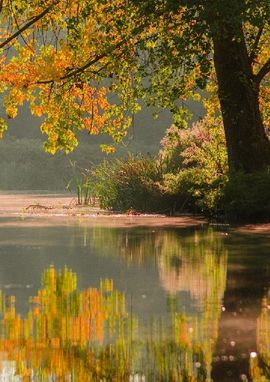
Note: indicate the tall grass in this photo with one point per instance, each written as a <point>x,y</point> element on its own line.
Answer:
<point>130,183</point>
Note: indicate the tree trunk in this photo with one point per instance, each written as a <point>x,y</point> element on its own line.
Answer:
<point>247,143</point>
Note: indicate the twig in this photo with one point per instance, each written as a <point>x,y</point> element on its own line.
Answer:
<point>36,206</point>
<point>28,25</point>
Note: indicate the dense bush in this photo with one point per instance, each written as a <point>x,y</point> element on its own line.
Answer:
<point>246,197</point>
<point>186,176</point>
<point>130,183</point>
<point>196,161</point>
<point>201,146</point>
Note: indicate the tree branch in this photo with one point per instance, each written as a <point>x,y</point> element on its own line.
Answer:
<point>265,69</point>
<point>28,25</point>
<point>75,72</point>
<point>254,50</point>
<point>1,5</point>
<point>81,69</point>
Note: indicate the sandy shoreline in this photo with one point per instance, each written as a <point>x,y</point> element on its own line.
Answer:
<point>50,209</point>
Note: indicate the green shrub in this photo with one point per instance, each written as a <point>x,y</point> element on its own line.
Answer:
<point>193,192</point>
<point>131,183</point>
<point>246,197</point>
<point>202,146</point>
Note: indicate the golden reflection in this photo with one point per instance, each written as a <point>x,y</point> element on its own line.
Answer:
<point>67,335</point>
<point>181,348</point>
<point>91,335</point>
<point>196,266</point>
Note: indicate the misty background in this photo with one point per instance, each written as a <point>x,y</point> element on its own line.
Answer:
<point>26,166</point>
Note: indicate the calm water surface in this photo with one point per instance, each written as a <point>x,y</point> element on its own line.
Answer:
<point>133,304</point>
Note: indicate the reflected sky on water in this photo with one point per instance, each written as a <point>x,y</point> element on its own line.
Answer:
<point>133,304</point>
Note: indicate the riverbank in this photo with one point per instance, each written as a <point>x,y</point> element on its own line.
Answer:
<point>61,208</point>
<point>48,209</point>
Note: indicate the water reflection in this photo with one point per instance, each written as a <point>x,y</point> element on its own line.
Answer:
<point>96,334</point>
<point>196,264</point>
<point>164,318</point>
<point>67,335</point>
<point>260,362</point>
<point>193,261</point>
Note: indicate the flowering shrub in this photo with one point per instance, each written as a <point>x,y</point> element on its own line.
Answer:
<point>190,174</point>
<point>196,163</point>
<point>202,146</point>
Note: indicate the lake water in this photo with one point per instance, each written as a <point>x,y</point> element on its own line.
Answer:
<point>82,303</point>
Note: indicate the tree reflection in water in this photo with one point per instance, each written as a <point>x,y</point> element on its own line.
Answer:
<point>67,335</point>
<point>193,261</point>
<point>89,335</point>
<point>196,265</point>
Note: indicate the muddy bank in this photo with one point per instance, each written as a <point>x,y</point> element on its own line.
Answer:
<point>255,228</point>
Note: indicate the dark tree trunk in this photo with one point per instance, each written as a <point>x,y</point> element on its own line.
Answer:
<point>247,143</point>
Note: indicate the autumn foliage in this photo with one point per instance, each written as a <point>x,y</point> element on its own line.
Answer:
<point>43,44</point>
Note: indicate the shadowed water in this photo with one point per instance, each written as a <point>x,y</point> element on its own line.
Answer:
<point>133,304</point>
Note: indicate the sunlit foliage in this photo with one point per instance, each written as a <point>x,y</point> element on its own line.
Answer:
<point>41,67</point>
<point>84,65</point>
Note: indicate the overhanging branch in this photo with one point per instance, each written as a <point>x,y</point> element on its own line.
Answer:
<point>81,69</point>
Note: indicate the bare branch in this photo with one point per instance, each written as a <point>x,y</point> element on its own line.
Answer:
<point>265,69</point>
<point>28,24</point>
<point>18,27</point>
<point>254,50</point>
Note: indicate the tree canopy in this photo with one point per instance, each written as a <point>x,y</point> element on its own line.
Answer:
<point>86,64</point>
